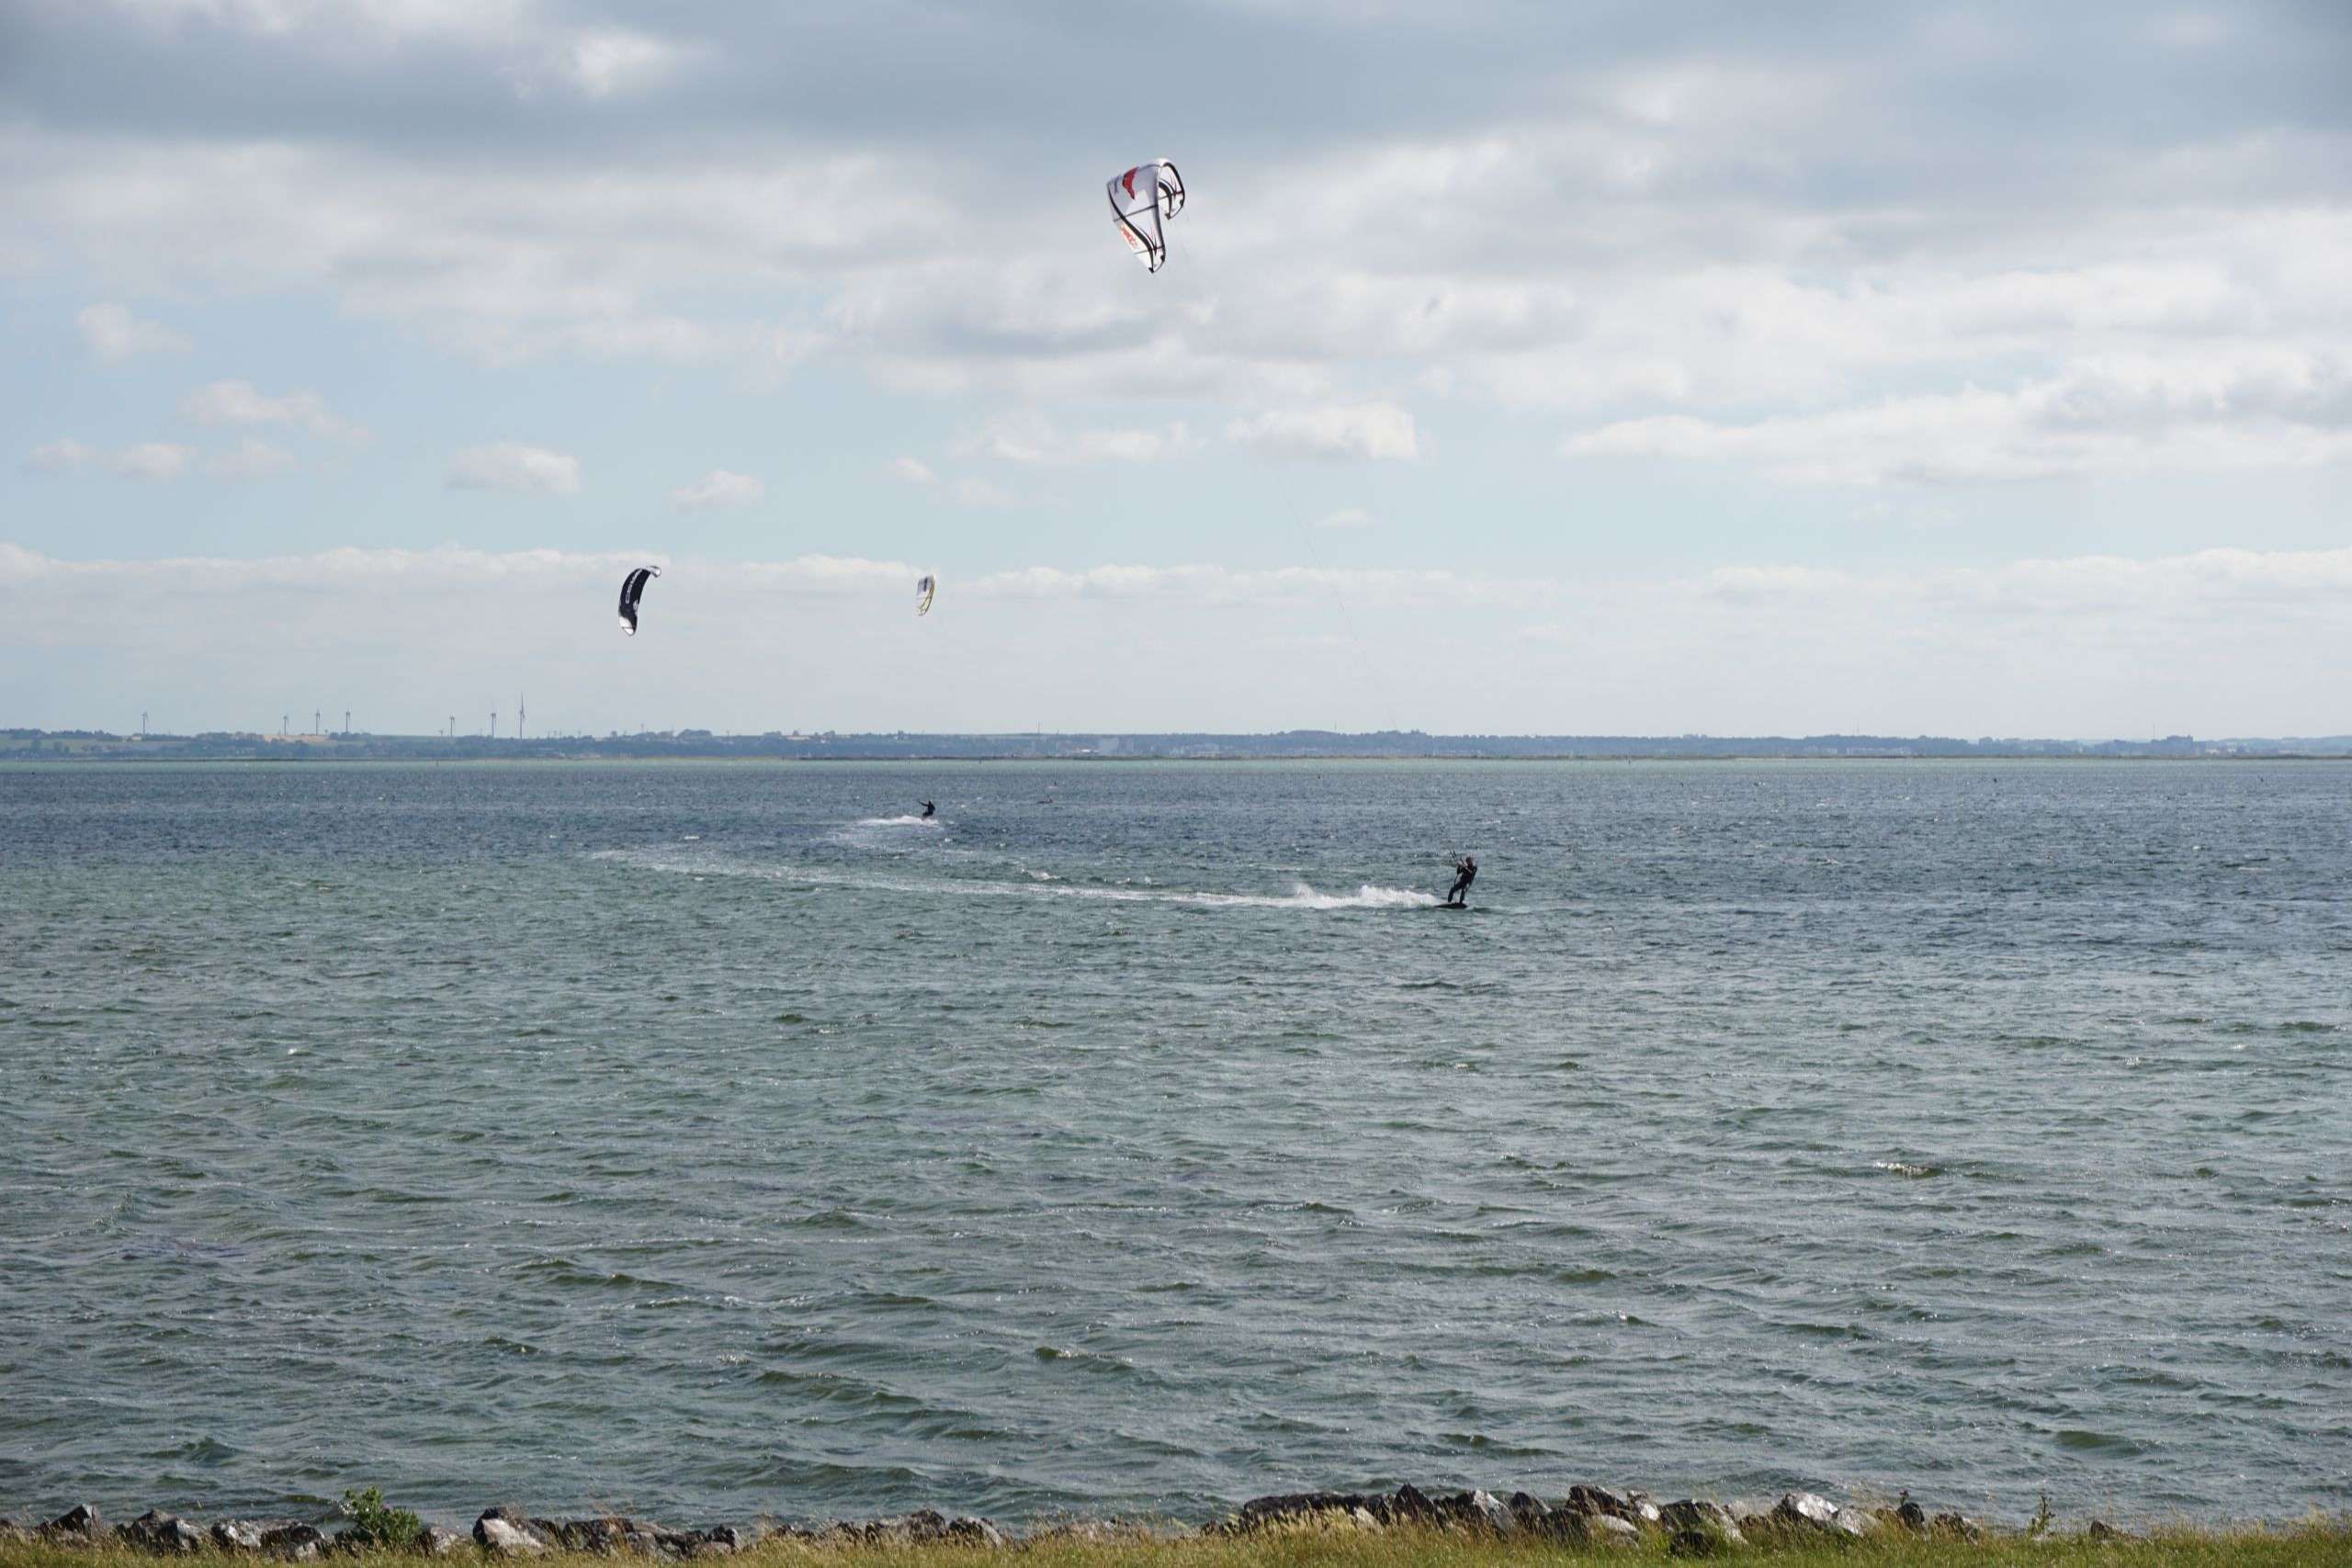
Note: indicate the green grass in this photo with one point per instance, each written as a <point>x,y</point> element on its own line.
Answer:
<point>2326,1544</point>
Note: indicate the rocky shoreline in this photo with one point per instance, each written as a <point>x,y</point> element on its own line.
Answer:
<point>1585,1516</point>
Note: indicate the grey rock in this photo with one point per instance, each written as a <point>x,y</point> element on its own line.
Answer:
<point>1607,1529</point>
<point>1959,1527</point>
<point>1364,1519</point>
<point>606,1536</point>
<point>166,1534</point>
<point>236,1535</point>
<point>929,1525</point>
<point>1696,1543</point>
<point>1593,1501</point>
<point>508,1539</point>
<point>1807,1509</point>
<point>973,1530</point>
<point>79,1523</point>
<point>293,1540</point>
<point>1702,1514</point>
<point>503,1531</point>
<point>440,1541</point>
<point>1566,1526</point>
<point>1644,1510</point>
<point>1526,1511</point>
<point>1491,1511</point>
<point>1281,1508</point>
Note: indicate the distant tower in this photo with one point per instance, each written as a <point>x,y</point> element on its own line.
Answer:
<point>314,721</point>
<point>453,726</point>
<point>346,721</point>
<point>142,723</point>
<point>493,724</point>
<point>286,723</point>
<point>520,712</point>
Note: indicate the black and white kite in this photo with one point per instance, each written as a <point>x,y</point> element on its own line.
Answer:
<point>632,587</point>
<point>926,590</point>
<point>1142,199</point>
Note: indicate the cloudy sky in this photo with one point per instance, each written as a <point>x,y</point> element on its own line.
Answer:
<point>1529,367</point>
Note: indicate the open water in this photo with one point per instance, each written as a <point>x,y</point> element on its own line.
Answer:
<point>712,1141</point>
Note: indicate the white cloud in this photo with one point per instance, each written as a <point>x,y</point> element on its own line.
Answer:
<point>716,490</point>
<point>372,20</point>
<point>611,60</point>
<point>113,334</point>
<point>366,570</point>
<point>148,460</point>
<point>62,456</point>
<point>159,460</point>
<point>2214,642</point>
<point>1033,439</point>
<point>1718,289</point>
<point>1346,518</point>
<point>2215,412</point>
<point>969,491</point>
<point>254,459</point>
<point>241,402</point>
<point>2194,29</point>
<point>1374,431</point>
<point>511,465</point>
<point>151,460</point>
<point>980,492</point>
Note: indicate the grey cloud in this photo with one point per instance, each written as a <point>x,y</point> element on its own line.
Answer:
<point>1622,211</point>
<point>1230,82</point>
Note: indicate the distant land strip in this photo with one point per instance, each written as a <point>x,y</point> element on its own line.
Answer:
<point>51,745</point>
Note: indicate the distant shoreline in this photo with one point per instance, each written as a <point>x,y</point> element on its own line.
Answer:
<point>1299,745</point>
<point>51,761</point>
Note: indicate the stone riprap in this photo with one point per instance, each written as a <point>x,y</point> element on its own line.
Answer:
<point>1584,1515</point>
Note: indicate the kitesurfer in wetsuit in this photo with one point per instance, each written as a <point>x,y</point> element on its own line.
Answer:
<point>929,811</point>
<point>1465,872</point>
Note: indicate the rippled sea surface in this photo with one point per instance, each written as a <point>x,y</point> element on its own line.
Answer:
<point>713,1141</point>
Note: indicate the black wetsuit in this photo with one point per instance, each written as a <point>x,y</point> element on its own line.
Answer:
<point>926,810</point>
<point>1465,872</point>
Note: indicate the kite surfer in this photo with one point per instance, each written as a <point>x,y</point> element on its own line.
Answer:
<point>1465,872</point>
<point>929,811</point>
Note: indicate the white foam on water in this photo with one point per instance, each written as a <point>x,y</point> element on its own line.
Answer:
<point>1301,895</point>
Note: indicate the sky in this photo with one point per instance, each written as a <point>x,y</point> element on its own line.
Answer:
<point>1530,368</point>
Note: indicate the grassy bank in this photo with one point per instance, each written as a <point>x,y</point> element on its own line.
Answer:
<point>2316,1545</point>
